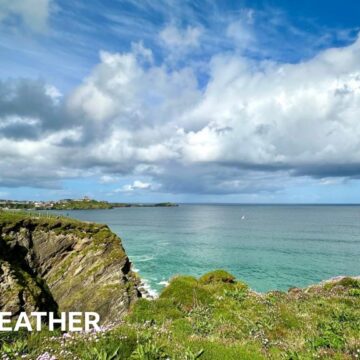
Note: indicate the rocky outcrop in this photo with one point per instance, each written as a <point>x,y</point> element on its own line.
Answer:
<point>49,264</point>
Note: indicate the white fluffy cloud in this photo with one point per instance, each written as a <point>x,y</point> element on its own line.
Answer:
<point>136,185</point>
<point>293,115</point>
<point>120,88</point>
<point>252,124</point>
<point>254,114</point>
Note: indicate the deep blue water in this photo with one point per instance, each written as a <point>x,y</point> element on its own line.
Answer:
<point>267,246</point>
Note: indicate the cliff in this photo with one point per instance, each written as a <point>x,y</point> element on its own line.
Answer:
<point>59,264</point>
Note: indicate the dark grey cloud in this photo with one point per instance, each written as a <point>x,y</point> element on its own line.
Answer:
<point>215,179</point>
<point>22,99</point>
<point>320,171</point>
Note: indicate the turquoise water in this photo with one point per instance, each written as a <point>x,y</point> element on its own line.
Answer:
<point>269,247</point>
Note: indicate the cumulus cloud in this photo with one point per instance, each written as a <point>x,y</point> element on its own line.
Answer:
<point>141,52</point>
<point>30,109</point>
<point>255,126</point>
<point>296,116</point>
<point>136,185</point>
<point>33,13</point>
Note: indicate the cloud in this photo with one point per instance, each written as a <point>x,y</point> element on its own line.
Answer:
<point>141,52</point>
<point>178,42</point>
<point>256,126</point>
<point>53,93</point>
<point>241,30</point>
<point>109,179</point>
<point>33,13</point>
<point>136,185</point>
<point>172,36</point>
<point>30,109</point>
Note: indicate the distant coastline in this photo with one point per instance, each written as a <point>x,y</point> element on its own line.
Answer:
<point>74,204</point>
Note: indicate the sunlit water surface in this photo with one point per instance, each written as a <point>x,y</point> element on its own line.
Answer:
<point>269,247</point>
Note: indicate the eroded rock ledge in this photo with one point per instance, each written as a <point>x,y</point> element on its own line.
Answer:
<point>60,264</point>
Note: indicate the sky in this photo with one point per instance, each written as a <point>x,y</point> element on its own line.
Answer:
<point>184,101</point>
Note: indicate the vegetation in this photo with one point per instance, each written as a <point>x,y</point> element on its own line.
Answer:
<point>82,205</point>
<point>16,205</point>
<point>94,204</point>
<point>86,266</point>
<point>217,317</point>
<point>70,204</point>
<point>12,220</point>
<point>165,204</point>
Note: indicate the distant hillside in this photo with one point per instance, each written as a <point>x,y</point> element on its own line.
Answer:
<point>82,205</point>
<point>73,204</point>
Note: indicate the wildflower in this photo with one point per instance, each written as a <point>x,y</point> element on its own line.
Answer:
<point>46,356</point>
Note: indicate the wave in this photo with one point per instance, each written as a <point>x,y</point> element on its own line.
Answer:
<point>164,282</point>
<point>153,294</point>
<point>148,291</point>
<point>142,258</point>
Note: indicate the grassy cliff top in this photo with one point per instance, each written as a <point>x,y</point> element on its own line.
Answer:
<point>12,221</point>
<point>216,317</point>
<point>13,217</point>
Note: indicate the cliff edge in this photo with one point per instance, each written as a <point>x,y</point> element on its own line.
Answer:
<point>60,264</point>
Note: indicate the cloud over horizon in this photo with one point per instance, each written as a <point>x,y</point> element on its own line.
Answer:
<point>253,120</point>
<point>230,124</point>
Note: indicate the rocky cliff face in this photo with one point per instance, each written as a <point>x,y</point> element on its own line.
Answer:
<point>49,264</point>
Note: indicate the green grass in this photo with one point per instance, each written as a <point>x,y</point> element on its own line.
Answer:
<point>213,317</point>
<point>46,220</point>
<point>216,317</point>
<point>82,205</point>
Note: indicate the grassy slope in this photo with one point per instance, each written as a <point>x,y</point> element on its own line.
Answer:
<point>59,224</point>
<point>83,205</point>
<point>216,317</point>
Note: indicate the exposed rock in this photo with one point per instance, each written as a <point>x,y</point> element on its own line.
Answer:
<point>47,263</point>
<point>21,292</point>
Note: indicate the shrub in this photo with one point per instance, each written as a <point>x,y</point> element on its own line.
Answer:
<point>330,336</point>
<point>158,311</point>
<point>102,354</point>
<point>237,293</point>
<point>189,355</point>
<point>202,320</point>
<point>349,282</point>
<point>149,351</point>
<point>354,292</point>
<point>187,293</point>
<point>14,350</point>
<point>216,276</point>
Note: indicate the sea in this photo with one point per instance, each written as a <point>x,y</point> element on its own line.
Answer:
<point>270,247</point>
